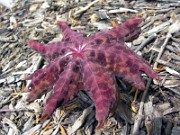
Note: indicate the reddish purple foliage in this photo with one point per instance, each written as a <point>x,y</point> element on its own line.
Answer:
<point>90,63</point>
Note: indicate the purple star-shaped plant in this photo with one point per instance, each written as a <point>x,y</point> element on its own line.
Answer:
<point>90,63</point>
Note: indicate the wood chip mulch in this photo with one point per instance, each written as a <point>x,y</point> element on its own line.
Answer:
<point>154,111</point>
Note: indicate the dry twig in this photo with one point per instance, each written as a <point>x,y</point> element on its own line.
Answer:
<point>83,9</point>
<point>140,115</point>
<point>145,42</point>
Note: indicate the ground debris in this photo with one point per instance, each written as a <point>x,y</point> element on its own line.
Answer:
<point>159,43</point>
